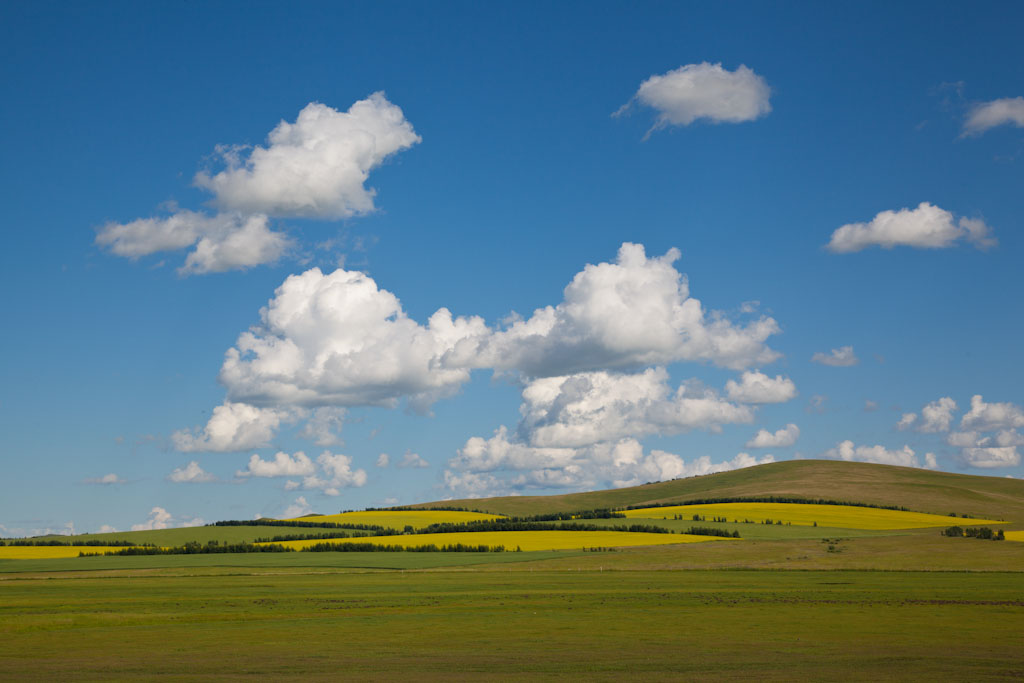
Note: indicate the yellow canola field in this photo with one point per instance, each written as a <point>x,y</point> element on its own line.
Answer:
<point>840,516</point>
<point>525,540</point>
<point>47,552</point>
<point>1015,535</point>
<point>399,519</point>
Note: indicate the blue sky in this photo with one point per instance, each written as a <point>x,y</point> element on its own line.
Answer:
<point>171,170</point>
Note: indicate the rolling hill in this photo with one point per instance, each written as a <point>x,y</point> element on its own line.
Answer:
<point>916,489</point>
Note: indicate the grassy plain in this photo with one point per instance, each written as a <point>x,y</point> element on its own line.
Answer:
<point>49,552</point>
<point>939,493</point>
<point>528,541</point>
<point>839,516</point>
<point>515,625</point>
<point>398,519</point>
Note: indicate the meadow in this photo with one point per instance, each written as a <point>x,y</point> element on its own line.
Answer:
<point>868,594</point>
<point>524,624</point>
<point>527,541</point>
<point>838,516</point>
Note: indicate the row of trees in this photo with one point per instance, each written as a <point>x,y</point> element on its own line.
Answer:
<point>983,532</point>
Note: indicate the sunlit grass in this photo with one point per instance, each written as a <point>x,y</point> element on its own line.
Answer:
<point>840,516</point>
<point>399,519</point>
<point>48,552</point>
<point>524,540</point>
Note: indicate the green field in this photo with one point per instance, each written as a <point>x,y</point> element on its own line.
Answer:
<point>518,625</point>
<point>784,602</point>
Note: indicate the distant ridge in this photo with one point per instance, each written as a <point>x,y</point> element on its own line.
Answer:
<point>916,489</point>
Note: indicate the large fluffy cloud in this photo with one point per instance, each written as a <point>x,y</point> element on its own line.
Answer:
<point>634,312</point>
<point>587,408</point>
<point>999,450</point>
<point>337,339</point>
<point>331,473</point>
<point>315,167</point>
<point>328,341</point>
<point>986,115</point>
<point>991,416</point>
<point>501,465</point>
<point>756,387</point>
<point>927,226</point>
<point>846,450</point>
<point>283,465</point>
<point>704,91</point>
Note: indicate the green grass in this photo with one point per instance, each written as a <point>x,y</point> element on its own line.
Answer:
<point>916,489</point>
<point>748,531</point>
<point>515,625</point>
<point>249,561</point>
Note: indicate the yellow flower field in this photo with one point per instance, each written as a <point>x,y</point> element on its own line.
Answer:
<point>399,519</point>
<point>1015,535</point>
<point>48,552</point>
<point>526,540</point>
<point>841,516</point>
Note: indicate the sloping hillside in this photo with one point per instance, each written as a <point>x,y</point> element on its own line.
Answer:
<point>915,489</point>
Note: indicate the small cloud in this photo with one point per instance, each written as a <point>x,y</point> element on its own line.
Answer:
<point>297,509</point>
<point>159,518</point>
<point>816,404</point>
<point>383,460</point>
<point>107,529</point>
<point>780,439</point>
<point>987,115</point>
<point>926,227</point>
<point>413,460</point>
<point>105,480</point>
<point>870,406</point>
<point>191,473</point>
<point>838,358</point>
<point>703,92</point>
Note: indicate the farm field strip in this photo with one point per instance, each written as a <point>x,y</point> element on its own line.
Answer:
<point>527,541</point>
<point>399,519</point>
<point>1015,535</point>
<point>49,552</point>
<point>839,516</point>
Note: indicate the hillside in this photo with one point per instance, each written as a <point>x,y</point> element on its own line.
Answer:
<point>916,489</point>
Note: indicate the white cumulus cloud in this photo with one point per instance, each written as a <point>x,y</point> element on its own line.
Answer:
<point>324,426</point>
<point>587,408</point>
<point>704,91</point>
<point>383,460</point>
<point>224,241</point>
<point>936,416</point>
<point>636,311</point>
<point>191,473</point>
<point>991,416</point>
<point>159,518</point>
<point>783,438</point>
<point>337,339</point>
<point>756,387</point>
<point>976,450</point>
<point>283,465</point>
<point>842,357</point>
<point>499,465</point>
<point>905,457</point>
<point>927,226</point>
<point>986,115</point>
<point>232,427</point>
<point>316,166</point>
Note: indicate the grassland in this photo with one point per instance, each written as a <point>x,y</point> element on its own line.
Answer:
<point>527,541</point>
<point>938,493</point>
<point>786,602</point>
<point>515,625</point>
<point>49,552</point>
<point>398,519</point>
<point>839,516</point>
